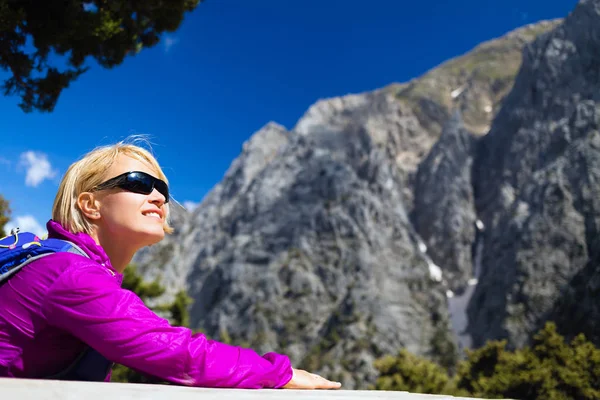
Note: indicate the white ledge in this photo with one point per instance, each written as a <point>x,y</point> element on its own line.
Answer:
<point>33,389</point>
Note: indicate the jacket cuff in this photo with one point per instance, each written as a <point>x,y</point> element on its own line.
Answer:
<point>283,368</point>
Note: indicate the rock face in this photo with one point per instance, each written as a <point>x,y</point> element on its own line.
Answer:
<point>176,256</point>
<point>536,189</point>
<point>444,212</point>
<point>313,253</point>
<point>338,241</point>
<point>474,84</point>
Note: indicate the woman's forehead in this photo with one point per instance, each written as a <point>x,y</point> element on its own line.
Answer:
<point>125,163</point>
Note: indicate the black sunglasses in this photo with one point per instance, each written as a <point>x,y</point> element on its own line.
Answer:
<point>137,182</point>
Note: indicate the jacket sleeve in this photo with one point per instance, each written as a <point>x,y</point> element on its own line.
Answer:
<point>88,302</point>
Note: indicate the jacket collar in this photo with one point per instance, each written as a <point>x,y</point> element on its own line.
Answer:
<point>85,242</point>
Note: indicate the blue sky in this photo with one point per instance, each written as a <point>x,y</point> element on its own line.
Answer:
<point>233,66</point>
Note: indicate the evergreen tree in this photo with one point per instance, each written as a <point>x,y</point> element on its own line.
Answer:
<point>105,30</point>
<point>410,373</point>
<point>549,369</point>
<point>4,215</point>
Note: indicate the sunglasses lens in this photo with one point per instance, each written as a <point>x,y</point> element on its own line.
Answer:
<point>138,183</point>
<point>162,188</point>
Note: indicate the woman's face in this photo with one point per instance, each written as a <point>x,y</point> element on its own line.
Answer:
<point>124,215</point>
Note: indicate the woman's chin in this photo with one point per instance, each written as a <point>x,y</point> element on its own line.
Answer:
<point>156,237</point>
<point>151,236</point>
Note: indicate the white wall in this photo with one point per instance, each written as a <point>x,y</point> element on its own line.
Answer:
<point>29,389</point>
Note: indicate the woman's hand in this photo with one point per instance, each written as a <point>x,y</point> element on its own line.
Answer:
<point>305,380</point>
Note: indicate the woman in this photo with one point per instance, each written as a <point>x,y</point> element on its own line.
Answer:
<point>111,203</point>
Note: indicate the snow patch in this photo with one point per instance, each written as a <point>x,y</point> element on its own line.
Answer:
<point>435,272</point>
<point>389,184</point>
<point>456,92</point>
<point>319,152</point>
<point>457,308</point>
<point>457,305</point>
<point>422,247</point>
<point>480,225</point>
<point>449,294</point>
<point>488,109</point>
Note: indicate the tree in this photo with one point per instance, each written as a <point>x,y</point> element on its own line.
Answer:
<point>4,215</point>
<point>549,369</point>
<point>410,373</point>
<point>176,312</point>
<point>33,33</point>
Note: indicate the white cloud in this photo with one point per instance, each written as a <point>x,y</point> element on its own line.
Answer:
<point>38,168</point>
<point>169,42</point>
<point>190,205</point>
<point>5,161</point>
<point>25,223</point>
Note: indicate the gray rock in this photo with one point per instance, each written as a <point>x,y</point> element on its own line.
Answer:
<point>536,188</point>
<point>320,261</point>
<point>314,255</point>
<point>176,255</point>
<point>444,211</point>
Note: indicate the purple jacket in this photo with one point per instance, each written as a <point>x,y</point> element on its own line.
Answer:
<point>54,306</point>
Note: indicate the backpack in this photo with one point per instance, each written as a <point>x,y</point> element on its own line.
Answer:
<point>21,248</point>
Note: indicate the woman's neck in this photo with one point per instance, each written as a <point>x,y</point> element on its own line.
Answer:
<point>119,251</point>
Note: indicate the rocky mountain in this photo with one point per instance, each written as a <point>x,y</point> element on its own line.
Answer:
<point>536,190</point>
<point>313,255</point>
<point>372,223</point>
<point>444,213</point>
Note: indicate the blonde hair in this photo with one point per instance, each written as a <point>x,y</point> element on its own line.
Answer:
<point>88,172</point>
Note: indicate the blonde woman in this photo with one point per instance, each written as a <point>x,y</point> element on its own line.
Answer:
<point>65,316</point>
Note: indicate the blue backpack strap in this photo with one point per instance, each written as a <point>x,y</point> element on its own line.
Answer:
<point>21,248</point>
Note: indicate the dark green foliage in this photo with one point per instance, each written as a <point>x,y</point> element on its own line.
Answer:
<point>176,312</point>
<point>134,282</point>
<point>4,215</point>
<point>411,373</point>
<point>550,369</point>
<point>179,309</point>
<point>106,30</point>
<point>443,348</point>
<point>489,370</point>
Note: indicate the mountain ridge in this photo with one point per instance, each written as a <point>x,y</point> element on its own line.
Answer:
<point>324,242</point>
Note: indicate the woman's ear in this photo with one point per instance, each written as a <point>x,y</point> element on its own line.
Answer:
<point>88,205</point>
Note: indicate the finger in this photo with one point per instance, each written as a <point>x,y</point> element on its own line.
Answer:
<point>333,385</point>
<point>329,385</point>
<point>323,383</point>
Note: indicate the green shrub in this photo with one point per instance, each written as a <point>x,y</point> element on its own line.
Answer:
<point>410,373</point>
<point>549,369</point>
